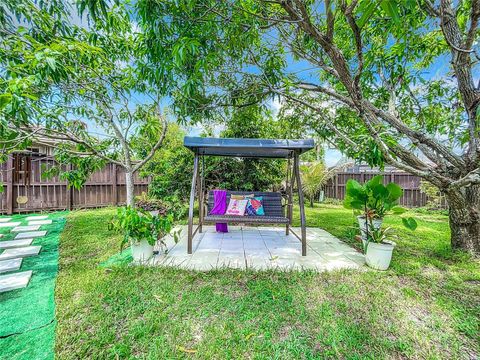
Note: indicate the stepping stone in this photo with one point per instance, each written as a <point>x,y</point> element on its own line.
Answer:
<point>9,224</point>
<point>10,265</point>
<point>15,281</point>
<point>26,228</point>
<point>37,217</point>
<point>1,235</point>
<point>2,220</point>
<point>30,234</point>
<point>20,252</point>
<point>15,243</point>
<point>40,222</point>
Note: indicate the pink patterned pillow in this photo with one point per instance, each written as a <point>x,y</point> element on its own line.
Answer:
<point>236,207</point>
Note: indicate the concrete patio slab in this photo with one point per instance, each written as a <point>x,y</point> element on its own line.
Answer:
<point>40,222</point>
<point>20,252</point>
<point>10,265</point>
<point>260,248</point>
<point>30,234</point>
<point>26,228</point>
<point>15,243</point>
<point>9,224</point>
<point>15,281</point>
<point>36,217</point>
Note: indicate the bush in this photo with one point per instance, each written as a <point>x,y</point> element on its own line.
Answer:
<point>171,167</point>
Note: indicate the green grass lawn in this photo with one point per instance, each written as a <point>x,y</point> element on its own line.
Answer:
<point>426,306</point>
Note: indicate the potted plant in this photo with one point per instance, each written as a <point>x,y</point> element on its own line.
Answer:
<point>142,230</point>
<point>374,200</point>
<point>378,248</point>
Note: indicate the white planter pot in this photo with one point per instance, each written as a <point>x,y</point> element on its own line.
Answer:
<point>142,251</point>
<point>321,196</point>
<point>379,256</point>
<point>377,223</point>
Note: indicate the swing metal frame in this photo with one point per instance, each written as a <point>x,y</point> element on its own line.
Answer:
<point>248,148</point>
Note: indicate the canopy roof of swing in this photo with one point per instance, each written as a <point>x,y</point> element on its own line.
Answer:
<point>249,148</point>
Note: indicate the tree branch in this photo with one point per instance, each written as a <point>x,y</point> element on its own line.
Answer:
<point>155,147</point>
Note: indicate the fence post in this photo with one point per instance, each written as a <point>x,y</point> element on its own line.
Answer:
<point>69,191</point>
<point>9,183</point>
<point>114,184</point>
<point>336,186</point>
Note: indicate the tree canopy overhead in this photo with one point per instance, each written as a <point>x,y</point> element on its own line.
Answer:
<point>367,75</point>
<point>76,87</point>
<point>386,81</point>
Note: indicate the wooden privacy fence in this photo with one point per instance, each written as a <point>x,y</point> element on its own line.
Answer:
<point>412,196</point>
<point>21,176</point>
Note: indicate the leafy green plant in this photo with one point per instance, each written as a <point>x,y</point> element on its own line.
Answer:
<point>373,197</point>
<point>379,236</point>
<point>314,177</point>
<point>375,200</point>
<point>138,224</point>
<point>434,196</point>
<point>382,235</point>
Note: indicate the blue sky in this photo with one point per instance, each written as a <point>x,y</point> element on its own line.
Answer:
<point>440,69</point>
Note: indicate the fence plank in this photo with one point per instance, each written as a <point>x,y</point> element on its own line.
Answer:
<point>114,184</point>
<point>9,183</point>
<point>412,196</point>
<point>104,188</point>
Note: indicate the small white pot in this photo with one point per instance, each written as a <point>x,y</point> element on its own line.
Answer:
<point>142,251</point>
<point>377,223</point>
<point>379,256</point>
<point>321,196</point>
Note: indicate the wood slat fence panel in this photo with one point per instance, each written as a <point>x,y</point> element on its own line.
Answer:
<point>412,196</point>
<point>104,188</point>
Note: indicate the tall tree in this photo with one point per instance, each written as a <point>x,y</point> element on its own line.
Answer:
<point>76,87</point>
<point>367,73</point>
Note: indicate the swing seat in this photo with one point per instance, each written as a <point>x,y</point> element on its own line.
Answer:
<point>272,204</point>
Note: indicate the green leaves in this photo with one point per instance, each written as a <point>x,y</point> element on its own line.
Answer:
<point>355,195</point>
<point>373,197</point>
<point>410,223</point>
<point>137,224</point>
<point>367,8</point>
<point>184,49</point>
<point>395,192</point>
<point>391,8</point>
<point>4,100</point>
<point>355,190</point>
<point>398,210</point>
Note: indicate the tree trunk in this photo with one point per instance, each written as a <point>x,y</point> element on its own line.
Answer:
<point>130,188</point>
<point>464,216</point>
<point>311,201</point>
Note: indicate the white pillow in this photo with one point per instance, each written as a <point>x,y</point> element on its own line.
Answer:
<point>236,207</point>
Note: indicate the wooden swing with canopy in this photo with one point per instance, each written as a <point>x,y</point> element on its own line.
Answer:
<point>272,201</point>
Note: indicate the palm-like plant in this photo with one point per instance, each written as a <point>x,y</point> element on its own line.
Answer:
<point>314,176</point>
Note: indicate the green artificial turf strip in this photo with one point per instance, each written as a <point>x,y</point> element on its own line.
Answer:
<point>27,315</point>
<point>425,306</point>
<point>33,344</point>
